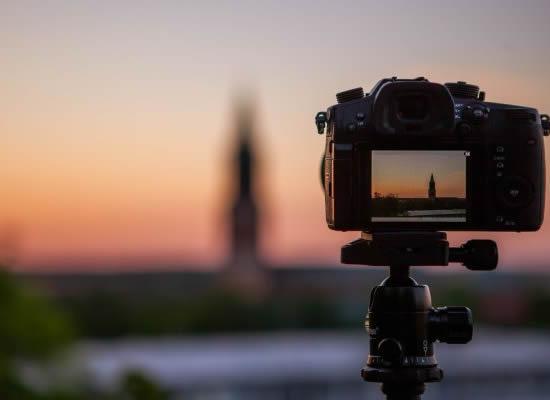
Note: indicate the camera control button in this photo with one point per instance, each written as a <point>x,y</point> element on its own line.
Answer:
<point>360,116</point>
<point>351,128</point>
<point>476,113</point>
<point>464,129</point>
<point>500,149</point>
<point>500,165</point>
<point>499,219</point>
<point>515,192</point>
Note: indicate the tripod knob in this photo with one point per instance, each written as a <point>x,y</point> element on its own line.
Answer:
<point>451,324</point>
<point>476,255</point>
<point>391,351</point>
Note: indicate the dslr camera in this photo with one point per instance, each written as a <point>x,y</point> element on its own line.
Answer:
<point>414,155</point>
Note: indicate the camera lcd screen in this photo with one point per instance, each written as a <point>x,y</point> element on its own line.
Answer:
<point>418,186</point>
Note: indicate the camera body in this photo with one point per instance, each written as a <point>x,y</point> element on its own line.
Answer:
<point>415,155</point>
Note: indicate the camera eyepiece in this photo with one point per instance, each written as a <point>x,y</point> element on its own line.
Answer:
<point>413,107</point>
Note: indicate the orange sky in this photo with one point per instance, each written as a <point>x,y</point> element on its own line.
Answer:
<point>116,118</point>
<point>407,173</point>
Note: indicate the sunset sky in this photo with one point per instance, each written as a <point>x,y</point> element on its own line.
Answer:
<point>407,173</point>
<point>116,117</point>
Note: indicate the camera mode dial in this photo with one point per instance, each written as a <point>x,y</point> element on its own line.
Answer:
<point>349,95</point>
<point>463,90</point>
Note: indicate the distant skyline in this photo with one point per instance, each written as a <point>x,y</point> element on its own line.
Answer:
<point>407,173</point>
<point>116,117</point>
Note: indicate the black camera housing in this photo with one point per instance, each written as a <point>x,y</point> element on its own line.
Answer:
<point>503,145</point>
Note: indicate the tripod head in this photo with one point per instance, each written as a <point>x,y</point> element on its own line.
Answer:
<point>401,322</point>
<point>418,249</point>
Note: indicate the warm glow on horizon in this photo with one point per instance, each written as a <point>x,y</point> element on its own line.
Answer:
<point>117,118</point>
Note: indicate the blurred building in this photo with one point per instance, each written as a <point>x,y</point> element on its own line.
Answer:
<point>244,270</point>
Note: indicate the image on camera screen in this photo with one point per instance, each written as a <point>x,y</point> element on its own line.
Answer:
<point>418,186</point>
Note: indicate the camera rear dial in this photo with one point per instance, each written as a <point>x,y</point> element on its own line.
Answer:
<point>515,192</point>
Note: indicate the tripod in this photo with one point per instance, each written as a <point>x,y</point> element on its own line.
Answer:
<point>401,322</point>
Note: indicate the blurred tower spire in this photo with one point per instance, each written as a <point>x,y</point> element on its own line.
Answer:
<point>244,212</point>
<point>244,271</point>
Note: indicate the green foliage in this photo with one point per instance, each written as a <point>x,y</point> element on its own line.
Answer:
<point>105,315</point>
<point>31,327</point>
<point>108,315</point>
<point>136,386</point>
<point>12,388</point>
<point>456,296</point>
<point>539,301</point>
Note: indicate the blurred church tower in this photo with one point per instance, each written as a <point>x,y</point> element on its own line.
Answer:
<point>244,211</point>
<point>244,271</point>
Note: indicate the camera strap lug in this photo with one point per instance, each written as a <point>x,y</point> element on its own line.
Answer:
<point>321,122</point>
<point>545,122</point>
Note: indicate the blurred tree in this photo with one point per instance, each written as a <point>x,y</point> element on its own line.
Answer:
<point>137,386</point>
<point>31,328</point>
